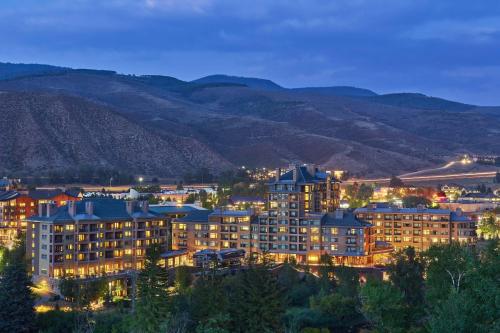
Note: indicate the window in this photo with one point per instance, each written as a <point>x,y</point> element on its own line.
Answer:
<point>44,227</point>
<point>44,256</point>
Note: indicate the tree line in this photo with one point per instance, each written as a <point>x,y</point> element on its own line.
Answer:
<point>448,288</point>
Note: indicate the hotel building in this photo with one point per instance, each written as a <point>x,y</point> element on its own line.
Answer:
<point>91,238</point>
<point>418,227</point>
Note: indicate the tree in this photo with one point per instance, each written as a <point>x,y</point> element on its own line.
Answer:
<point>396,182</point>
<point>152,296</point>
<point>258,301</point>
<point>447,268</point>
<point>407,274</point>
<point>383,305</point>
<point>488,226</point>
<point>16,299</point>
<point>412,201</point>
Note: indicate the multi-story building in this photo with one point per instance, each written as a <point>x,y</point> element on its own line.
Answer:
<point>16,206</point>
<point>417,227</point>
<point>215,230</point>
<point>91,238</point>
<point>294,200</point>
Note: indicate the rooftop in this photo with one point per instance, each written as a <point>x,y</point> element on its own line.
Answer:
<point>173,209</point>
<point>103,209</point>
<point>8,195</point>
<point>342,219</point>
<point>306,174</point>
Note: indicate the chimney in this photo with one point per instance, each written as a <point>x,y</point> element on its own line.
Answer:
<point>41,209</point>
<point>50,209</point>
<point>89,207</point>
<point>278,174</point>
<point>339,214</point>
<point>145,206</point>
<point>295,171</point>
<point>129,205</point>
<point>71,208</point>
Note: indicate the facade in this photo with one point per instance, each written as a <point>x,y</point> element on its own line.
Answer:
<point>215,230</point>
<point>17,206</point>
<point>91,238</point>
<point>417,227</point>
<point>296,201</point>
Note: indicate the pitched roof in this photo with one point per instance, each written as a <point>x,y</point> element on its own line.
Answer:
<point>230,212</point>
<point>196,216</point>
<point>344,219</point>
<point>305,175</point>
<point>104,209</point>
<point>402,210</point>
<point>173,209</point>
<point>45,194</point>
<point>8,195</point>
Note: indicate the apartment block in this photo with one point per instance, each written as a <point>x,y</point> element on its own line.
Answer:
<point>16,206</point>
<point>91,238</point>
<point>216,230</point>
<point>417,227</point>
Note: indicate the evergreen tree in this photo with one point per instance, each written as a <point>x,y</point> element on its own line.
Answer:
<point>152,298</point>
<point>258,305</point>
<point>407,274</point>
<point>16,299</point>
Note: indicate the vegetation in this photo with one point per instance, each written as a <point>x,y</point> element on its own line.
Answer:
<point>358,195</point>
<point>16,299</point>
<point>488,227</point>
<point>448,288</point>
<point>412,201</point>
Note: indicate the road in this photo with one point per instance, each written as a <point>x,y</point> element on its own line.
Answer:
<point>451,176</point>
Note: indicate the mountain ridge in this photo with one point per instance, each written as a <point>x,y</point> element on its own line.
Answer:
<point>230,124</point>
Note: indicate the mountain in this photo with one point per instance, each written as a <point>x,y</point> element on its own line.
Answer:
<point>245,81</point>
<point>10,70</point>
<point>187,125</point>
<point>338,91</point>
<point>420,101</point>
<point>42,132</point>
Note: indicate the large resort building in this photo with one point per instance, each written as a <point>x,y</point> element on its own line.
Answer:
<point>417,227</point>
<point>301,222</point>
<point>91,238</point>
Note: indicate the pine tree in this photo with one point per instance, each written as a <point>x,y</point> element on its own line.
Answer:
<point>16,299</point>
<point>258,302</point>
<point>152,301</point>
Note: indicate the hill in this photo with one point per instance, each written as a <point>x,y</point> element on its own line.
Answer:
<point>42,132</point>
<point>224,124</point>
<point>338,91</point>
<point>420,101</point>
<point>245,81</point>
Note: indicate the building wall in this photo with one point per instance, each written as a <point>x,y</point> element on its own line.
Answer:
<point>92,248</point>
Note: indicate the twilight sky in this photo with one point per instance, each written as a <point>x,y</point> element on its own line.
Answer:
<point>446,48</point>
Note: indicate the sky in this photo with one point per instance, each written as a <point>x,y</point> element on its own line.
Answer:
<point>445,48</point>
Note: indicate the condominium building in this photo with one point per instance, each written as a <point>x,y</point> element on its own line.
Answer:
<point>215,230</point>
<point>296,200</point>
<point>417,227</point>
<point>91,238</point>
<point>16,206</point>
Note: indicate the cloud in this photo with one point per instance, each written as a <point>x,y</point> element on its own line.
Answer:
<point>184,6</point>
<point>479,30</point>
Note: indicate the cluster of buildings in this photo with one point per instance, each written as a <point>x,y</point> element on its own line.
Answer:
<point>299,220</point>
<point>17,205</point>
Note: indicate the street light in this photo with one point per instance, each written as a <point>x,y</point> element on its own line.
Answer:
<point>140,180</point>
